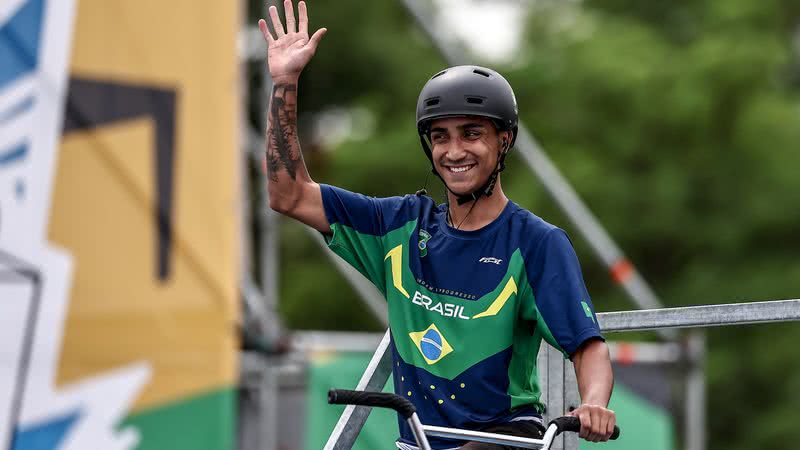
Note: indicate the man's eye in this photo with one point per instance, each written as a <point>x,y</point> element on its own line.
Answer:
<point>437,137</point>
<point>472,134</point>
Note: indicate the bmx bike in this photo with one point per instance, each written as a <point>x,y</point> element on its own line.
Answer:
<point>420,431</point>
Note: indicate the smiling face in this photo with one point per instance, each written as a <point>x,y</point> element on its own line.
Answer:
<point>465,151</point>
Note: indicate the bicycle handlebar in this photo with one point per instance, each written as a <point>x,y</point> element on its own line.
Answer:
<point>406,409</point>
<point>573,424</point>
<point>379,399</point>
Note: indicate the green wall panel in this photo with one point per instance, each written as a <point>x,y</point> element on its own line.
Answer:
<point>204,422</point>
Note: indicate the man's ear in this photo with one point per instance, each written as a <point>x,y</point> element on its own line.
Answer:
<point>505,140</point>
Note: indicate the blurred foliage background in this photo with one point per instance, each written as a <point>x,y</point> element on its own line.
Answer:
<point>678,123</point>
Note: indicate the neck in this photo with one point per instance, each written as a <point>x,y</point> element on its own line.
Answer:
<point>484,210</point>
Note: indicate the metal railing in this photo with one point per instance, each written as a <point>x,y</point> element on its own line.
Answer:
<point>700,316</point>
<point>560,383</point>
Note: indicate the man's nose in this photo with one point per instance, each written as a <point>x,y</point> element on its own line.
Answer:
<point>455,150</point>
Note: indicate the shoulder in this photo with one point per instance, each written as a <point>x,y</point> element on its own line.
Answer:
<point>375,214</point>
<point>530,221</point>
<point>407,200</point>
<point>531,231</point>
<point>541,244</point>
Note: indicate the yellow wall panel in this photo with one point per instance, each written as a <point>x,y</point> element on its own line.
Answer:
<point>104,201</point>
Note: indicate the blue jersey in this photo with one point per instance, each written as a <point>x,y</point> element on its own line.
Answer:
<point>468,310</point>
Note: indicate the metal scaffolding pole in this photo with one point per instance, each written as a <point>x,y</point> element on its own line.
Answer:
<point>695,395</point>
<point>260,295</point>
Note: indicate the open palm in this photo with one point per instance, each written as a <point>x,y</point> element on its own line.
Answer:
<point>293,49</point>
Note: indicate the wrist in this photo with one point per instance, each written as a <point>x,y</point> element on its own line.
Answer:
<point>594,402</point>
<point>285,79</point>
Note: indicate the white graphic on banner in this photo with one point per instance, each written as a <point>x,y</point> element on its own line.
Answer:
<point>35,37</point>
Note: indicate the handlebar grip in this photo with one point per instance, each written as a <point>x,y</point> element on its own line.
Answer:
<point>377,399</point>
<point>573,424</point>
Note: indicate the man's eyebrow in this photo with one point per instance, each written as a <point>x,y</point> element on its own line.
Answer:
<point>466,126</point>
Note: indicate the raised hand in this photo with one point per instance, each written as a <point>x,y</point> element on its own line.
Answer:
<point>291,51</point>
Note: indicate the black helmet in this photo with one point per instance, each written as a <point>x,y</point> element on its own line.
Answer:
<point>468,91</point>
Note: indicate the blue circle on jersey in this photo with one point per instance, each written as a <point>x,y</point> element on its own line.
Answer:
<point>431,345</point>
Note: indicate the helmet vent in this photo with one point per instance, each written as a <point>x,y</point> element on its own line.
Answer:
<point>432,102</point>
<point>475,100</point>
<point>481,72</point>
<point>439,74</point>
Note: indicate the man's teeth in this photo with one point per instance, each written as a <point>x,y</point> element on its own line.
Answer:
<point>460,168</point>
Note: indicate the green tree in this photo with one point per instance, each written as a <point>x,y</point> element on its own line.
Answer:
<point>679,125</point>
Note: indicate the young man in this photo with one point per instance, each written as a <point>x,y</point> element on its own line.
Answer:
<point>473,285</point>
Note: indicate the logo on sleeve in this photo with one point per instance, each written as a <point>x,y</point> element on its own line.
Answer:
<point>587,310</point>
<point>431,344</point>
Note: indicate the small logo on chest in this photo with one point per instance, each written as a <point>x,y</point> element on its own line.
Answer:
<point>424,237</point>
<point>490,260</point>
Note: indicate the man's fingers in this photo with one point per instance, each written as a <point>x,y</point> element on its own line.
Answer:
<point>612,422</point>
<point>262,25</point>
<point>314,41</point>
<point>586,424</point>
<point>276,22</point>
<point>303,16</point>
<point>289,9</point>
<point>602,432</point>
<point>595,421</point>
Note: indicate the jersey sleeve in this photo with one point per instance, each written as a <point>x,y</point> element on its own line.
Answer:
<point>359,223</point>
<point>564,312</point>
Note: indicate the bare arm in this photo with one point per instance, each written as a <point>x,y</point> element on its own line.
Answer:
<point>291,190</point>
<point>595,383</point>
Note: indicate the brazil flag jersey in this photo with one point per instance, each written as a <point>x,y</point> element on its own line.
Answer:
<point>468,310</point>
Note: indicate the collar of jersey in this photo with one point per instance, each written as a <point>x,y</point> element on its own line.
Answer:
<point>441,217</point>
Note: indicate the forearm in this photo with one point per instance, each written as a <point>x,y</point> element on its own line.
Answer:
<point>594,374</point>
<point>286,169</point>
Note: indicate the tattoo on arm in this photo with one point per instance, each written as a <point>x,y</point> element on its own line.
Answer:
<point>283,146</point>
